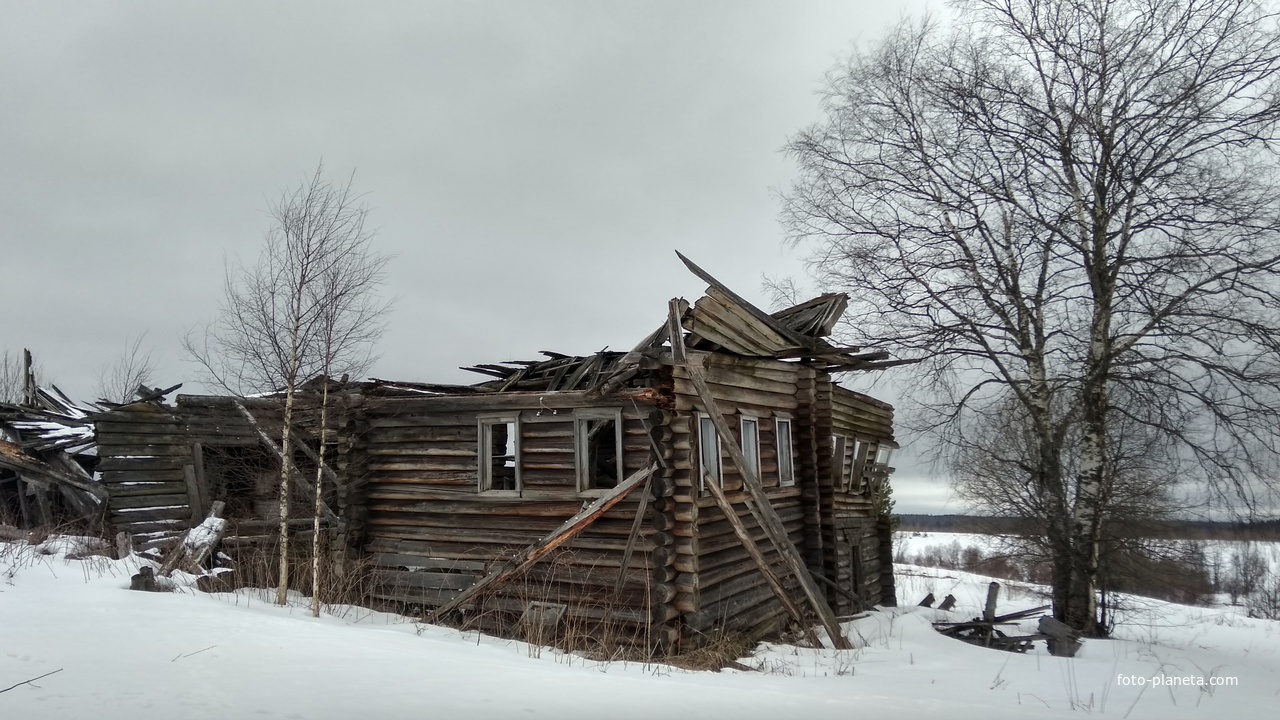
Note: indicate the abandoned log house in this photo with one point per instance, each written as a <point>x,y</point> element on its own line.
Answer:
<point>649,486</point>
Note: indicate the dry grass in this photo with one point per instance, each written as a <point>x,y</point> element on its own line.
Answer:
<point>719,652</point>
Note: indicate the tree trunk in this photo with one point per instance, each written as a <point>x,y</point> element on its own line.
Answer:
<point>1081,610</point>
<point>282,592</point>
<point>315,524</point>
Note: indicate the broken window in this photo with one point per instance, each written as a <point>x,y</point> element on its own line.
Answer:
<point>750,430</point>
<point>498,454</point>
<point>883,454</point>
<point>847,461</point>
<point>786,461</point>
<point>708,450</point>
<point>598,439</point>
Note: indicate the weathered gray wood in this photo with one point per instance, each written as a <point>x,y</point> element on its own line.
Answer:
<point>1064,640</point>
<point>765,514</point>
<point>530,555</point>
<point>755,313</point>
<point>197,464</point>
<point>294,474</point>
<point>993,594</point>
<point>403,579</point>
<point>33,468</point>
<point>179,553</point>
<point>193,492</point>
<point>150,501</point>
<point>748,543</point>
<point>635,535</point>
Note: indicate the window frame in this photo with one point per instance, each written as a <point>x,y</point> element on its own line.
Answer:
<point>704,421</point>
<point>581,450</point>
<point>839,455</point>
<point>743,420</point>
<point>788,479</point>
<point>858,477</point>
<point>887,451</point>
<point>484,455</point>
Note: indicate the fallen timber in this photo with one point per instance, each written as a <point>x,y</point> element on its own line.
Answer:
<point>986,630</point>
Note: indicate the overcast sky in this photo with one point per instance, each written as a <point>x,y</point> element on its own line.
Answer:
<point>532,165</point>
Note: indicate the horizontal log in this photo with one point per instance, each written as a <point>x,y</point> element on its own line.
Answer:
<point>150,514</point>
<point>130,463</point>
<point>400,580</point>
<point>130,489</point>
<point>146,501</point>
<point>113,477</point>
<point>730,396</point>
<point>424,562</point>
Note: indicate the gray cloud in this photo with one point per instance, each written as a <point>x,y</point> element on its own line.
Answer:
<point>532,165</point>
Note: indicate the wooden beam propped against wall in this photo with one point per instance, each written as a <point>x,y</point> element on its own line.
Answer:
<point>760,506</point>
<point>535,552</point>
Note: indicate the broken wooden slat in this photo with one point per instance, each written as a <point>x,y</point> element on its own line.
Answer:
<point>535,552</point>
<point>180,552</point>
<point>634,535</point>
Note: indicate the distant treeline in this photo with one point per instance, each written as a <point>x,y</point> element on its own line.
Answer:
<point>1172,529</point>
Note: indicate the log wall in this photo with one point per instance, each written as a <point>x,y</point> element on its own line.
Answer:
<point>431,532</point>
<point>857,546</point>
<point>729,593</point>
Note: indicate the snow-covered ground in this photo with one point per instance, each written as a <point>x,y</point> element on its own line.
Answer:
<point>121,654</point>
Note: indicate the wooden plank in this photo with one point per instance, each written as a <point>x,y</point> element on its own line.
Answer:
<point>126,516</point>
<point>756,313</point>
<point>193,492</point>
<point>386,559</point>
<point>571,527</point>
<point>120,490</point>
<point>197,465</point>
<point>404,579</point>
<point>765,514</point>
<point>149,501</point>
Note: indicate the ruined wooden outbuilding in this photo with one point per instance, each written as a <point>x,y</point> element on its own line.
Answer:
<point>435,488</point>
<point>47,460</point>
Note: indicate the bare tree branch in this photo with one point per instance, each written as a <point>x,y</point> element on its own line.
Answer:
<point>1068,210</point>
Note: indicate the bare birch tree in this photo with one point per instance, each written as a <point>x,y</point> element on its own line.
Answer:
<point>1053,202</point>
<point>307,308</point>
<point>119,381</point>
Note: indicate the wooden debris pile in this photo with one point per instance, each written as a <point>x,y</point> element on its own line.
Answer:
<point>986,630</point>
<point>47,458</point>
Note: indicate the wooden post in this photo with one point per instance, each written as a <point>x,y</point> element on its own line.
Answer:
<point>197,464</point>
<point>124,545</point>
<point>535,552</point>
<point>28,380</point>
<point>193,493</point>
<point>178,554</point>
<point>989,612</point>
<point>765,515</point>
<point>770,577</point>
<point>25,518</point>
